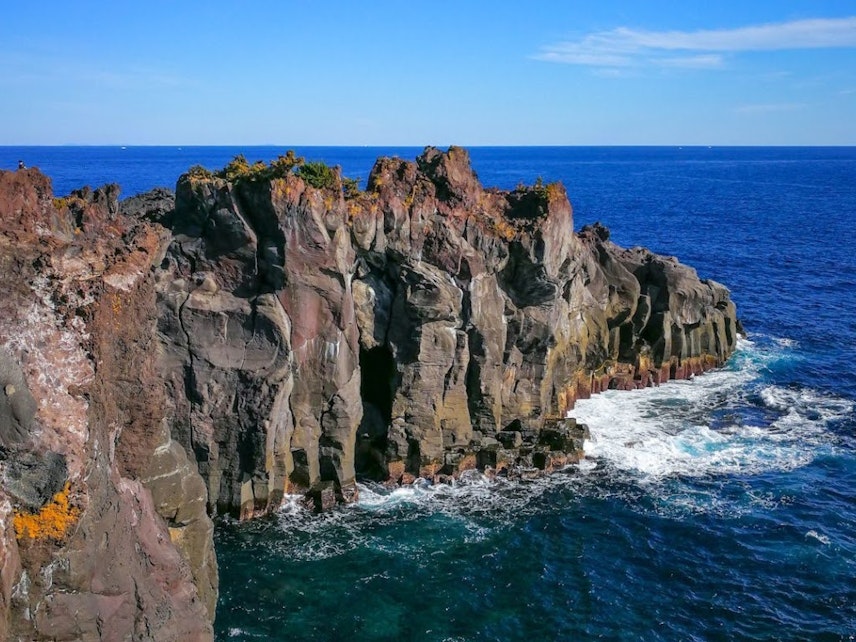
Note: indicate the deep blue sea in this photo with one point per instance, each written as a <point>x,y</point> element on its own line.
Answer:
<point>722,508</point>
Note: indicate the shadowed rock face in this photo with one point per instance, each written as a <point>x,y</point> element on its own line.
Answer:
<point>90,544</point>
<point>421,328</point>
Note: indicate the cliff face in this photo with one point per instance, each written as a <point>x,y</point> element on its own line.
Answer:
<point>421,328</point>
<point>217,349</point>
<point>86,537</point>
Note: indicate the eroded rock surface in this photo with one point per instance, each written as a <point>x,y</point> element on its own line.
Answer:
<point>423,327</point>
<point>87,554</point>
<point>173,356</point>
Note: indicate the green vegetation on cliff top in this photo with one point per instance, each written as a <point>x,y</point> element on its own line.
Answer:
<point>315,173</point>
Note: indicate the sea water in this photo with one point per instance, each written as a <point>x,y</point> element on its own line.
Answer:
<point>723,507</point>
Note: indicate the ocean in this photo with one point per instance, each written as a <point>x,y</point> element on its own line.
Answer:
<point>722,508</point>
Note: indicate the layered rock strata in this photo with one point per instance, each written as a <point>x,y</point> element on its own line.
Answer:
<point>422,328</point>
<point>103,529</point>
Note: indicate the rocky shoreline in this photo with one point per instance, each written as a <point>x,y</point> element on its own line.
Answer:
<point>272,330</point>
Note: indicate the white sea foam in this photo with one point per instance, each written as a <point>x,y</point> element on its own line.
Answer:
<point>725,422</point>
<point>786,343</point>
<point>805,403</point>
<point>472,496</point>
<point>713,424</point>
<point>374,497</point>
<point>823,539</point>
<point>307,536</point>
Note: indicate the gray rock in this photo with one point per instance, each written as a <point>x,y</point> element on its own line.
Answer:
<point>17,406</point>
<point>420,329</point>
<point>33,479</point>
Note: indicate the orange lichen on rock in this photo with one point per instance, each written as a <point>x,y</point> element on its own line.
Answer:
<point>52,521</point>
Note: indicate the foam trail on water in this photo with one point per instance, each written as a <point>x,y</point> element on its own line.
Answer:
<point>823,539</point>
<point>466,506</point>
<point>473,494</point>
<point>724,422</point>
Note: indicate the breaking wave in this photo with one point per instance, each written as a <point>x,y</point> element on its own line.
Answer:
<point>467,511</point>
<point>725,422</point>
<point>660,449</point>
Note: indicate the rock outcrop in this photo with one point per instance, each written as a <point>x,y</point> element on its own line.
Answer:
<point>273,331</point>
<point>421,328</point>
<point>91,547</point>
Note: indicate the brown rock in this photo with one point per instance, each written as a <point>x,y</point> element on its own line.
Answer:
<point>420,319</point>
<point>425,327</point>
<point>77,327</point>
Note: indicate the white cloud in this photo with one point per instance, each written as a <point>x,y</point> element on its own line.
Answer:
<point>768,108</point>
<point>701,61</point>
<point>625,47</point>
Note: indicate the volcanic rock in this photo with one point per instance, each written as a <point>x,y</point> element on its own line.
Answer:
<point>168,357</point>
<point>405,331</point>
<point>85,552</point>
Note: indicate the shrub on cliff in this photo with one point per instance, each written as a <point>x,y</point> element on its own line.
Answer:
<point>236,169</point>
<point>532,203</point>
<point>200,172</point>
<point>318,174</point>
<point>321,176</point>
<point>239,169</point>
<point>351,187</point>
<point>284,165</point>
<point>315,173</point>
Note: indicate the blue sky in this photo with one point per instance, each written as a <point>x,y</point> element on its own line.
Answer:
<point>756,72</point>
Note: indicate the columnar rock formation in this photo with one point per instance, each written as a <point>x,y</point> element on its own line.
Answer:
<point>244,339</point>
<point>420,328</point>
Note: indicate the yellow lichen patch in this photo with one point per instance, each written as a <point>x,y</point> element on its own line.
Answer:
<point>52,521</point>
<point>116,303</point>
<point>355,208</point>
<point>504,229</point>
<point>176,535</point>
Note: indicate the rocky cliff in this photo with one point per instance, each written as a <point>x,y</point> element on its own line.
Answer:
<point>271,330</point>
<point>90,545</point>
<point>427,326</point>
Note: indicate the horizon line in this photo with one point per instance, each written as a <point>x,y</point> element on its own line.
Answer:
<point>423,146</point>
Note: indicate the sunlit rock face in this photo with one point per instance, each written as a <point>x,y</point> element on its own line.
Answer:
<point>270,333</point>
<point>420,328</point>
<point>88,550</point>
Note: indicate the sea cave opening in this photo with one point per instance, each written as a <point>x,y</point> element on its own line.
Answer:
<point>377,368</point>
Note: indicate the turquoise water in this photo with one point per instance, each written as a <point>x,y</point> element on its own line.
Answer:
<point>719,508</point>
